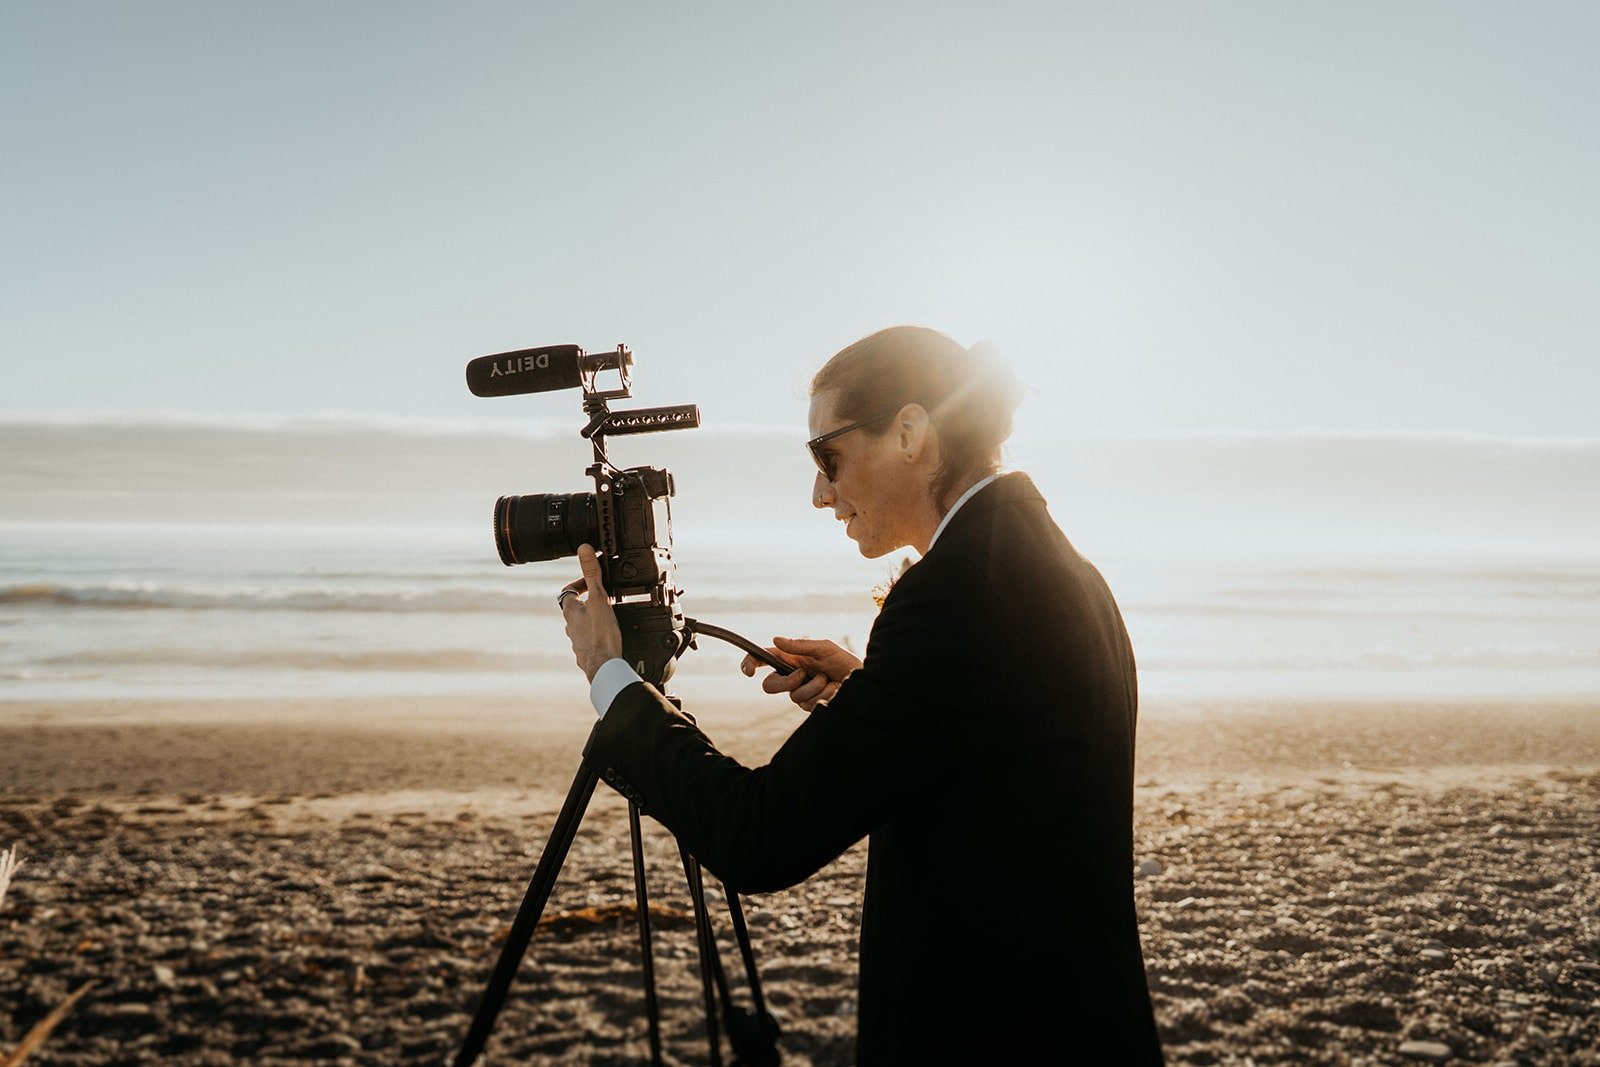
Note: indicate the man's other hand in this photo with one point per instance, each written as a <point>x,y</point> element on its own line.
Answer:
<point>822,666</point>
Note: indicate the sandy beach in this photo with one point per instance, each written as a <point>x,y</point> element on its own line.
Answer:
<point>284,882</point>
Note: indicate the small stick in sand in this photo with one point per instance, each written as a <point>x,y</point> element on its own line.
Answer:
<point>41,1029</point>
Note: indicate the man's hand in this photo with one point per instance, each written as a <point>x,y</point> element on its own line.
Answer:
<point>822,665</point>
<point>591,624</point>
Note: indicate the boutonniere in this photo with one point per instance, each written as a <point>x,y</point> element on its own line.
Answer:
<point>880,592</point>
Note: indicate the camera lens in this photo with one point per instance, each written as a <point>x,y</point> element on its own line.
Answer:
<point>543,526</point>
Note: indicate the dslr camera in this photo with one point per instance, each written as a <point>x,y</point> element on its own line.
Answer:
<point>628,516</point>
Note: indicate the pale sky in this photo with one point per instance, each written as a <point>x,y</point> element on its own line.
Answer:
<point>1174,217</point>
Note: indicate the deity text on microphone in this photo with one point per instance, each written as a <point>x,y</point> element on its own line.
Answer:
<point>518,364</point>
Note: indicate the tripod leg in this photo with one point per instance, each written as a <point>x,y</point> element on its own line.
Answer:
<point>742,935</point>
<point>641,901</point>
<point>753,1034</point>
<point>533,902</point>
<point>708,950</point>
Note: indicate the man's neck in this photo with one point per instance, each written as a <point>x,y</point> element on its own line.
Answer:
<point>952,499</point>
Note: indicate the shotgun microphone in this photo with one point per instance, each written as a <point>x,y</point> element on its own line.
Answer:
<point>527,370</point>
<point>540,370</point>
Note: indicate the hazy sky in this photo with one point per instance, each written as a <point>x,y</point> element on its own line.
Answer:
<point>1174,217</point>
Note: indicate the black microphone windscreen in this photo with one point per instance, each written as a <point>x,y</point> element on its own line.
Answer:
<point>527,370</point>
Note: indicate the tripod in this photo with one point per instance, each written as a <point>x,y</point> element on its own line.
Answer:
<point>752,1033</point>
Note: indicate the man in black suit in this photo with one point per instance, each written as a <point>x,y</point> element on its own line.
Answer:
<point>985,745</point>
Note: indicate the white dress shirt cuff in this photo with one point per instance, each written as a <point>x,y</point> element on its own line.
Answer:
<point>612,678</point>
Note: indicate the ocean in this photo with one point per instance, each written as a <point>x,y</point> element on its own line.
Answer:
<point>169,557</point>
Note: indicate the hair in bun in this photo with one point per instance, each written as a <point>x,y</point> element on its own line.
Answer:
<point>970,394</point>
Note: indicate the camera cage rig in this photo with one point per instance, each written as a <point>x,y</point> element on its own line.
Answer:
<point>655,634</point>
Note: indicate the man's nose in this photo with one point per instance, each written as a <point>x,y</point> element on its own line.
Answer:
<point>821,492</point>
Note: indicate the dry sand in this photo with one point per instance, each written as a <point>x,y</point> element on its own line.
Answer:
<point>282,882</point>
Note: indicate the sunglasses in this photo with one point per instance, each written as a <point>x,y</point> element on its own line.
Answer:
<point>825,460</point>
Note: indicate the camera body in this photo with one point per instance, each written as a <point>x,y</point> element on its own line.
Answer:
<point>628,518</point>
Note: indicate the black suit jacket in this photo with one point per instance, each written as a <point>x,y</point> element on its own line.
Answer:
<point>986,745</point>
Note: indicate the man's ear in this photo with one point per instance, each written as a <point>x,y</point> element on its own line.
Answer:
<point>913,432</point>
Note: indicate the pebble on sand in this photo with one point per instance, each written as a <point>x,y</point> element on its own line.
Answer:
<point>1432,1051</point>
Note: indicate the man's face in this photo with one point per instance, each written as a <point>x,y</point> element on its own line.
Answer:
<point>873,487</point>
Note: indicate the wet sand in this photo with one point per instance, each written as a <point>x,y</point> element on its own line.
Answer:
<point>284,882</point>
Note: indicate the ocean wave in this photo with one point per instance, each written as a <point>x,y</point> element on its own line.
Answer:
<point>146,596</point>
<point>1212,609</point>
<point>1496,657</point>
<point>156,596</point>
<point>424,661</point>
<point>1581,578</point>
<point>34,674</point>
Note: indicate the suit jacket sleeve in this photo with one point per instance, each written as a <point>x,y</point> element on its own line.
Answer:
<point>891,732</point>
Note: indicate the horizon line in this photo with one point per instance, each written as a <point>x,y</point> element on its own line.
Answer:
<point>336,420</point>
